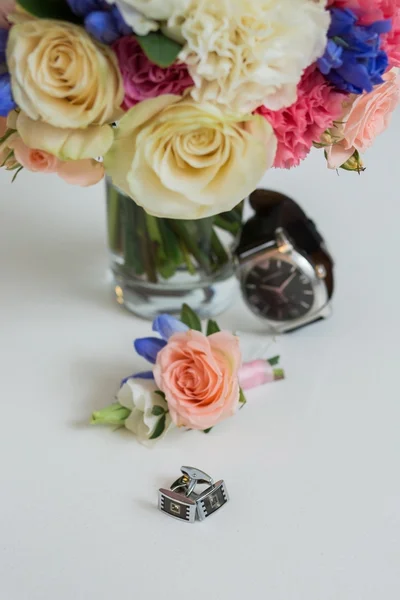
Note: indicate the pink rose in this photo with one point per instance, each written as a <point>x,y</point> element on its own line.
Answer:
<point>199,377</point>
<point>6,8</point>
<point>298,126</point>
<point>143,79</point>
<point>83,172</point>
<point>37,161</point>
<point>365,118</point>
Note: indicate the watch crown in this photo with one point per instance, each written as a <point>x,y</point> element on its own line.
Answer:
<point>321,271</point>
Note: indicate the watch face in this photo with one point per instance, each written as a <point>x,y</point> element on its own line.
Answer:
<point>278,290</point>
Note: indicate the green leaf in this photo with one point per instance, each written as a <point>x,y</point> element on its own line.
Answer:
<point>49,9</point>
<point>212,327</point>
<point>159,49</point>
<point>157,411</point>
<point>189,317</point>
<point>274,361</point>
<point>160,393</point>
<point>159,430</point>
<point>17,172</point>
<point>242,397</point>
<point>115,414</point>
<point>207,430</point>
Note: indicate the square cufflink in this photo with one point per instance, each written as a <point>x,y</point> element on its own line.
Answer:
<point>214,498</point>
<point>177,505</point>
<point>183,503</point>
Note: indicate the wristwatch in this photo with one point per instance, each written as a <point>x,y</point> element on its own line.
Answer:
<point>284,268</point>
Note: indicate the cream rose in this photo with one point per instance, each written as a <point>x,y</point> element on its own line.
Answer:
<point>61,76</point>
<point>66,144</point>
<point>179,159</point>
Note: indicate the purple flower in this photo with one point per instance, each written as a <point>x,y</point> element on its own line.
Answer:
<point>102,21</point>
<point>7,103</point>
<point>354,60</point>
<point>83,7</point>
<point>149,347</point>
<point>166,325</point>
<point>144,375</point>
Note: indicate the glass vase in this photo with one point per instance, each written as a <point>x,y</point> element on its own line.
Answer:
<point>158,264</point>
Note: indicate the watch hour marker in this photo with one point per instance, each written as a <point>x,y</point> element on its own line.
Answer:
<point>303,279</point>
<point>308,293</point>
<point>305,305</point>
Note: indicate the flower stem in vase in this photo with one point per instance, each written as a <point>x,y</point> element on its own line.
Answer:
<point>172,247</point>
<point>146,246</point>
<point>114,220</point>
<point>186,232</point>
<point>131,248</point>
<point>221,255</point>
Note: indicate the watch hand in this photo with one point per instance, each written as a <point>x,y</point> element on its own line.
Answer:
<point>271,288</point>
<point>286,283</point>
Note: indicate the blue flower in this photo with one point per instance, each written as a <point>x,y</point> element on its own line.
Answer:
<point>354,60</point>
<point>6,98</point>
<point>103,22</point>
<point>149,347</point>
<point>166,325</point>
<point>143,375</point>
<point>84,7</point>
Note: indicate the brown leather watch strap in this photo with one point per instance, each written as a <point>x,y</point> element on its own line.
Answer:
<point>274,211</point>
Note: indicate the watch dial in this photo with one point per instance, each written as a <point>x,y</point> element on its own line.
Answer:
<point>277,290</point>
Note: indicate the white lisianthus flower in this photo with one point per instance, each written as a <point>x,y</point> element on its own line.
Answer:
<point>149,409</point>
<point>144,16</point>
<point>248,53</point>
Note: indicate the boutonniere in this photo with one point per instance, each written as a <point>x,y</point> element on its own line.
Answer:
<point>196,381</point>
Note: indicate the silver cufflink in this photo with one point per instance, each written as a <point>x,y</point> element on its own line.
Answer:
<point>183,501</point>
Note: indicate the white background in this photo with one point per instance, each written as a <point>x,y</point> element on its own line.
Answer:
<point>312,464</point>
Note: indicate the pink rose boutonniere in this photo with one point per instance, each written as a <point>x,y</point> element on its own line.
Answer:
<point>199,376</point>
<point>196,382</point>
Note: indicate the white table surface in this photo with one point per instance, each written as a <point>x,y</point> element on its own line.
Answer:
<point>312,464</point>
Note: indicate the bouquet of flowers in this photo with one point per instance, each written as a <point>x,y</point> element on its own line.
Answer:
<point>196,382</point>
<point>185,104</point>
<point>191,101</point>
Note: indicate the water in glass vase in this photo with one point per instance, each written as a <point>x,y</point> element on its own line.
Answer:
<point>159,264</point>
